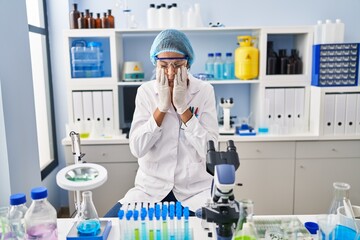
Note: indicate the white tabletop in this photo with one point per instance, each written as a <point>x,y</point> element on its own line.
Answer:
<point>65,224</point>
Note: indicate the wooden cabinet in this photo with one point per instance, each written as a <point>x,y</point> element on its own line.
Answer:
<point>318,165</point>
<point>267,174</point>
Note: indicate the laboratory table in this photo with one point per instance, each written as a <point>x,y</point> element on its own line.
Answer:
<point>65,224</point>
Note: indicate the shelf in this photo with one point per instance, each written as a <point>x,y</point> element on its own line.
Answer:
<point>212,82</point>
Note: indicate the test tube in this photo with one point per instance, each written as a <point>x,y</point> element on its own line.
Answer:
<point>164,221</point>
<point>129,227</point>
<point>143,224</point>
<point>151,223</point>
<point>136,229</point>
<point>158,221</point>
<point>122,223</point>
<point>171,221</point>
<point>186,223</point>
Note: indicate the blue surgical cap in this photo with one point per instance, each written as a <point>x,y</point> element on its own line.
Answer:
<point>172,40</point>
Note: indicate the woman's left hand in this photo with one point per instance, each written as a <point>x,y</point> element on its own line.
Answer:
<point>179,91</point>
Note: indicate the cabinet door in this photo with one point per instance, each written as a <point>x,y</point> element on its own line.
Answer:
<point>121,177</point>
<point>267,174</point>
<point>314,180</point>
<point>269,183</point>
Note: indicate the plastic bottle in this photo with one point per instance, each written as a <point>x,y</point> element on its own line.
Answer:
<point>328,32</point>
<point>318,33</point>
<point>229,66</point>
<point>88,216</point>
<point>190,18</point>
<point>74,15</point>
<point>41,217</point>
<point>272,66</point>
<point>151,16</point>
<point>198,17</point>
<point>340,31</point>
<point>175,16</point>
<point>98,21</point>
<point>111,19</point>
<point>218,67</point>
<point>209,64</point>
<point>246,59</point>
<point>163,16</point>
<point>17,213</point>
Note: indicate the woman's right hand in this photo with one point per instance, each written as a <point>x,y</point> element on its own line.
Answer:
<point>163,90</point>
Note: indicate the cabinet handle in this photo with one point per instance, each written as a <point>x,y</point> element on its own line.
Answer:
<point>334,150</point>
<point>103,154</point>
<point>302,166</point>
<point>258,151</point>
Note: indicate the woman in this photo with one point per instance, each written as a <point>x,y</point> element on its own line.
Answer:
<point>174,118</point>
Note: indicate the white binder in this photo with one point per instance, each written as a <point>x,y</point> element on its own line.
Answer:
<point>269,106</point>
<point>98,113</point>
<point>340,111</point>
<point>358,114</point>
<point>299,120</point>
<point>108,108</point>
<point>88,106</point>
<point>279,107</point>
<point>289,108</point>
<point>78,113</point>
<point>350,116</point>
<point>329,114</point>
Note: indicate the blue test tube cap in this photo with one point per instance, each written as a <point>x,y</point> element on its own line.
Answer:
<point>143,214</point>
<point>178,213</point>
<point>151,213</point>
<point>129,214</point>
<point>164,212</point>
<point>186,213</point>
<point>157,211</point>
<point>121,214</point>
<point>136,215</point>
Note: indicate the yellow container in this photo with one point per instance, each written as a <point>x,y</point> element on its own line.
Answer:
<point>246,59</point>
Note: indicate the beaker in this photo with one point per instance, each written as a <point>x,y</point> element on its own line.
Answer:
<point>246,228</point>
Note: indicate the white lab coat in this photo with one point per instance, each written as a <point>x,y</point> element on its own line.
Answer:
<point>172,157</point>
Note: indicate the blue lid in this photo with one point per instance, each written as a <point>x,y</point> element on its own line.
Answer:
<point>129,214</point>
<point>121,214</point>
<point>218,54</point>
<point>17,199</point>
<point>210,54</point>
<point>228,54</point>
<point>136,215</point>
<point>143,214</point>
<point>186,213</point>
<point>312,227</point>
<point>39,193</point>
<point>94,44</point>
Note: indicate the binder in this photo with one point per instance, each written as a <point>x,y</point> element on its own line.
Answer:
<point>350,116</point>
<point>329,114</point>
<point>98,113</point>
<point>88,114</point>
<point>340,111</point>
<point>289,108</point>
<point>269,106</point>
<point>78,115</point>
<point>299,120</point>
<point>108,108</point>
<point>358,114</point>
<point>279,107</point>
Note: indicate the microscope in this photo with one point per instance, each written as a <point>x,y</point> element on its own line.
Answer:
<point>223,210</point>
<point>226,128</point>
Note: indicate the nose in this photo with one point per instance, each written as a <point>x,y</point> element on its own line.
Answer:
<point>171,70</point>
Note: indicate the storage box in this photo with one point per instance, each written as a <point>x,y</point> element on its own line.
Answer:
<point>335,65</point>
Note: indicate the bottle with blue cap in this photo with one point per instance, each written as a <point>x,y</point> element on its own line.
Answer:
<point>40,218</point>
<point>17,212</point>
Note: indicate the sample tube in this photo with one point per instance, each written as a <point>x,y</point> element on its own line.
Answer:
<point>158,221</point>
<point>164,221</point>
<point>129,227</point>
<point>136,229</point>
<point>172,221</point>
<point>122,223</point>
<point>186,224</point>
<point>143,223</point>
<point>151,223</point>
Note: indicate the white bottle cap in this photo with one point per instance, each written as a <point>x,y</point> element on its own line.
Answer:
<point>319,22</point>
<point>338,20</point>
<point>327,21</point>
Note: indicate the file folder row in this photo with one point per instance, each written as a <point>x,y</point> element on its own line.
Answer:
<point>93,112</point>
<point>341,114</point>
<point>285,110</point>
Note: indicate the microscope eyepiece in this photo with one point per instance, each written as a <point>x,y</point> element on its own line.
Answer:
<point>231,146</point>
<point>211,146</point>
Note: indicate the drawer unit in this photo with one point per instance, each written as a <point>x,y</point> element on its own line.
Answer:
<point>328,149</point>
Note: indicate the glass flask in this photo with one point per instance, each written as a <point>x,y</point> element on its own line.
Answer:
<point>341,194</point>
<point>245,229</point>
<point>88,223</point>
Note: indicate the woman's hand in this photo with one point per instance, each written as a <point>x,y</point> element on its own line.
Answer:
<point>179,91</point>
<point>163,90</point>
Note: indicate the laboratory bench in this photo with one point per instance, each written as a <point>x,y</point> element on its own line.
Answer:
<point>65,224</point>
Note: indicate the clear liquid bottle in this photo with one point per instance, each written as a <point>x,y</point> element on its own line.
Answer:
<point>17,213</point>
<point>209,65</point>
<point>74,15</point>
<point>245,228</point>
<point>88,223</point>
<point>229,66</point>
<point>218,66</point>
<point>41,217</point>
